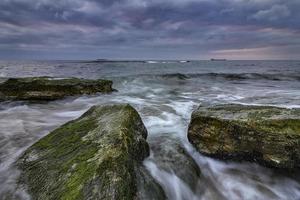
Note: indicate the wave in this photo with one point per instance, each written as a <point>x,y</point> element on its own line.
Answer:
<point>233,76</point>
<point>250,76</point>
<point>166,62</point>
<point>151,62</point>
<point>175,75</point>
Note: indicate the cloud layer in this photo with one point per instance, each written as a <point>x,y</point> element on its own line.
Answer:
<point>169,29</point>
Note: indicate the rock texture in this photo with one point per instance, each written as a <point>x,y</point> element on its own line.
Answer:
<point>97,156</point>
<point>46,88</point>
<point>170,156</point>
<point>267,135</point>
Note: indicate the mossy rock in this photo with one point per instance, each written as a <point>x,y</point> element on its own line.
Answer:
<point>97,156</point>
<point>267,135</point>
<point>47,88</point>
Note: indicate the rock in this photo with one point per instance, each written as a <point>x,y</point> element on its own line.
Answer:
<point>46,88</point>
<point>147,187</point>
<point>267,135</point>
<point>97,156</point>
<point>170,156</point>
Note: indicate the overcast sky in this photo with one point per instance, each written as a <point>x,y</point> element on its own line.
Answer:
<point>149,29</point>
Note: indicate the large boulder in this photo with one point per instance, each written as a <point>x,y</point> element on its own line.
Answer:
<point>267,135</point>
<point>97,156</point>
<point>46,88</point>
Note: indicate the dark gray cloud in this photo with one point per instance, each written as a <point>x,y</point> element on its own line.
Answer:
<point>70,29</point>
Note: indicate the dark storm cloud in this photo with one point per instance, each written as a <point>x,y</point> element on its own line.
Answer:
<point>149,28</point>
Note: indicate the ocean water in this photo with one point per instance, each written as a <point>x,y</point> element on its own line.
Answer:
<point>165,94</point>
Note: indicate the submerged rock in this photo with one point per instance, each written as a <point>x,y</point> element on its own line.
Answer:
<point>46,88</point>
<point>97,156</point>
<point>170,156</point>
<point>267,135</point>
<point>147,187</point>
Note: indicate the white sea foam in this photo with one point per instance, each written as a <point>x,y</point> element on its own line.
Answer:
<point>229,97</point>
<point>151,62</point>
<point>246,180</point>
<point>173,186</point>
<point>71,114</point>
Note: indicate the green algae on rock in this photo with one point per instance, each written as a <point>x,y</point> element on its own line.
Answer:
<point>267,135</point>
<point>97,156</point>
<point>47,88</point>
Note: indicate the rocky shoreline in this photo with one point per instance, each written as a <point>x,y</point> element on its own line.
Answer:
<point>100,155</point>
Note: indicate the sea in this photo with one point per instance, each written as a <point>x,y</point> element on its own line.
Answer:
<point>165,93</point>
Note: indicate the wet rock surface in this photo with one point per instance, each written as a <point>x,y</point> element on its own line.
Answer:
<point>47,88</point>
<point>147,187</point>
<point>97,156</point>
<point>170,156</point>
<point>267,135</point>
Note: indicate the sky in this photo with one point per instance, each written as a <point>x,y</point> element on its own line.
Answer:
<point>149,29</point>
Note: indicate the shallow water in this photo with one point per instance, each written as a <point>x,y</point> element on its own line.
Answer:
<point>165,95</point>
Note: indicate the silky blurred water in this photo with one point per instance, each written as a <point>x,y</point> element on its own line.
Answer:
<point>165,94</point>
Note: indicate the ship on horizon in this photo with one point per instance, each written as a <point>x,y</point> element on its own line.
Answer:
<point>218,59</point>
